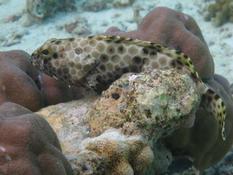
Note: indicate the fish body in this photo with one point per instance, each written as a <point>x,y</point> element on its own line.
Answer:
<point>96,61</point>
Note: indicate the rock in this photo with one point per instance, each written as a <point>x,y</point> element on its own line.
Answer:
<point>39,10</point>
<point>67,121</point>
<point>122,3</point>
<point>78,27</point>
<point>98,5</point>
<point>116,132</point>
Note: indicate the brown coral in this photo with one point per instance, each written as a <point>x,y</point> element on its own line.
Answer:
<point>21,83</point>
<point>28,145</point>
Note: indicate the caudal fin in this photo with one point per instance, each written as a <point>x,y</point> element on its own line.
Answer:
<point>215,105</point>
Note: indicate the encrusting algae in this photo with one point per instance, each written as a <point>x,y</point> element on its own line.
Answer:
<point>118,132</point>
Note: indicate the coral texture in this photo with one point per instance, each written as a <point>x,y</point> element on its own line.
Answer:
<point>117,133</point>
<point>28,145</point>
<point>18,79</point>
<point>40,9</point>
<point>220,12</point>
<point>176,30</point>
<point>21,83</point>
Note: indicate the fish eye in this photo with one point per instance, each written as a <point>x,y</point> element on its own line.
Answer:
<point>45,52</point>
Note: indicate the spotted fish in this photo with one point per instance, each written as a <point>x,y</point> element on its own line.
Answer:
<point>96,61</point>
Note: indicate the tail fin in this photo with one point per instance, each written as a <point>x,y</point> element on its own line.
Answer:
<point>216,106</point>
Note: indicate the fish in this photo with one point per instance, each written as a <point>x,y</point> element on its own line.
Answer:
<point>96,61</point>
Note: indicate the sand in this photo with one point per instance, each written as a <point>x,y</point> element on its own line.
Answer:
<point>13,35</point>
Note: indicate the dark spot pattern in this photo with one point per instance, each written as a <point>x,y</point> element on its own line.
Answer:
<point>153,52</point>
<point>58,42</point>
<point>121,49</point>
<point>102,67</point>
<point>104,58</point>
<point>137,60</point>
<point>125,70</point>
<point>115,96</point>
<point>110,50</point>
<point>78,50</point>
<point>55,55</point>
<point>145,51</point>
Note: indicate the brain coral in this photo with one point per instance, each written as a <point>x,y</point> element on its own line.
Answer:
<point>28,145</point>
<point>21,83</point>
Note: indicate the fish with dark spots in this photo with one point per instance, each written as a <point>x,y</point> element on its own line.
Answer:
<point>91,74</point>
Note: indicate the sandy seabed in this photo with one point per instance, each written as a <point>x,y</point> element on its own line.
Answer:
<point>13,35</point>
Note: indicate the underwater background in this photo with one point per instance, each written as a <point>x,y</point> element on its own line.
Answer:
<point>27,24</point>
